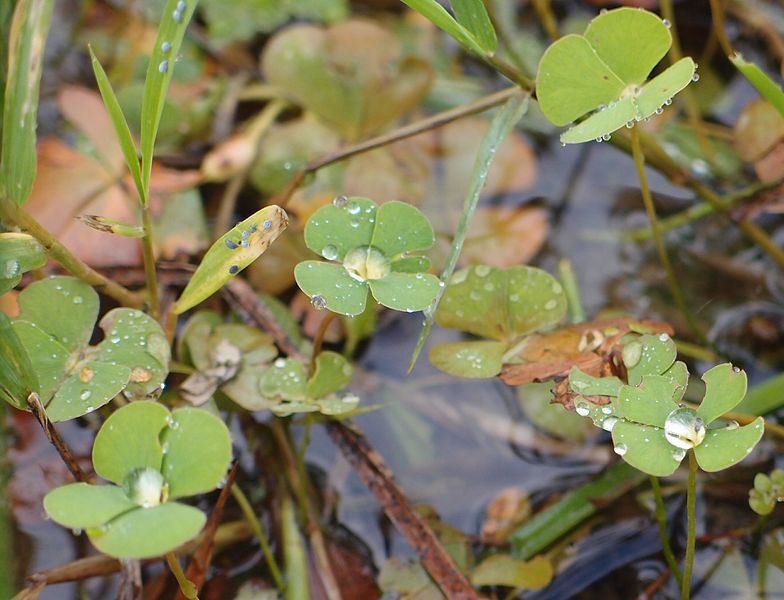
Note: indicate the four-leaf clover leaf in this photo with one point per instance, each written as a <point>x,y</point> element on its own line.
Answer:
<point>606,68</point>
<point>152,457</point>
<point>370,247</point>
<point>651,429</point>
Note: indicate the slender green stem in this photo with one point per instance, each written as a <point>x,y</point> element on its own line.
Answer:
<point>186,587</point>
<point>691,516</point>
<point>319,339</point>
<point>22,219</point>
<point>150,271</point>
<point>572,290</point>
<point>661,517</point>
<point>510,72</point>
<point>675,290</point>
<point>255,525</point>
<point>545,13</point>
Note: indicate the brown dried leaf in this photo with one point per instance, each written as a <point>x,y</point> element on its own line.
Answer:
<point>587,345</point>
<point>504,237</point>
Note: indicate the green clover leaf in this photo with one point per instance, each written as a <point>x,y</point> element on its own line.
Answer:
<point>370,245</point>
<point>287,385</point>
<point>606,69</point>
<point>229,357</point>
<point>75,378</point>
<point>152,457</point>
<point>651,429</point>
<point>504,305</point>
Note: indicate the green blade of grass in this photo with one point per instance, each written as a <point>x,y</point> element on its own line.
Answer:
<point>572,509</point>
<point>6,12</point>
<point>29,27</point>
<point>438,15</point>
<point>176,17</point>
<point>294,554</point>
<point>472,15</point>
<point>767,88</point>
<point>119,122</point>
<point>503,122</point>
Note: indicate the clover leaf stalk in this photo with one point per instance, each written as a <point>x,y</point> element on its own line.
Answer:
<point>661,249</point>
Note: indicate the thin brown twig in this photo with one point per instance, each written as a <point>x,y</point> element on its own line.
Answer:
<point>437,120</point>
<point>39,412</point>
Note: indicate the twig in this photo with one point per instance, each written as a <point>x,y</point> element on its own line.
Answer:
<point>199,564</point>
<point>62,255</point>
<point>39,412</point>
<point>401,133</point>
<point>375,474</point>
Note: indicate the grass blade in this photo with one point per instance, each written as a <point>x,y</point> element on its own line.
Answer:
<point>503,122</point>
<point>572,509</point>
<point>767,88</point>
<point>17,378</point>
<point>176,17</point>
<point>120,124</point>
<point>472,15</point>
<point>29,27</point>
<point>438,15</point>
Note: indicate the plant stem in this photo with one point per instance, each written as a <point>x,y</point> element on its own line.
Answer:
<point>150,272</point>
<point>717,14</point>
<point>692,109</point>
<point>401,133</point>
<point>37,408</point>
<point>572,290</point>
<point>186,587</point>
<point>22,219</point>
<point>691,516</point>
<point>661,517</point>
<point>255,525</point>
<point>545,13</point>
<point>319,339</point>
<point>675,290</point>
<point>255,132</point>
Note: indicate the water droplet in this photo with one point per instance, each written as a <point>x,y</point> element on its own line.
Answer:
<point>621,449</point>
<point>732,424</point>
<point>163,66</point>
<point>482,270</point>
<point>678,454</point>
<point>607,410</point>
<point>736,369</point>
<point>609,423</point>
<point>550,304</point>
<point>115,340</point>
<point>233,269</point>
<point>12,267</point>
<point>165,47</point>
<point>666,23</point>
<point>245,243</point>
<point>245,234</point>
<point>581,408</point>
<point>695,77</point>
<point>668,101</point>
<point>606,137</point>
<point>230,245</point>
<point>684,429</point>
<point>85,395</point>
<point>353,208</point>
<point>318,302</point>
<point>354,223</point>
<point>181,6</point>
<point>629,124</point>
<point>631,354</point>
<point>340,201</point>
<point>177,16</point>
<point>266,225</point>
<point>280,363</point>
<point>664,337</point>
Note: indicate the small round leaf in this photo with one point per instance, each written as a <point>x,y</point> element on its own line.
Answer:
<point>149,532</point>
<point>130,439</point>
<point>645,448</point>
<point>473,360</point>
<point>341,293</point>
<point>197,453</point>
<point>407,292</point>
<point>727,446</point>
<point>725,387</point>
<point>81,505</point>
